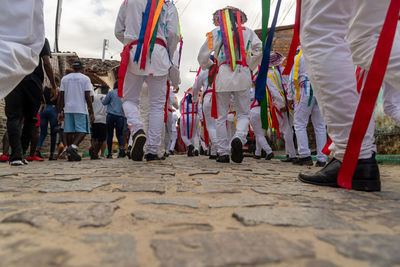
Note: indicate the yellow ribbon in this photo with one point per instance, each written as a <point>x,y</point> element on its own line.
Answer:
<point>230,36</point>
<point>296,76</point>
<point>210,40</point>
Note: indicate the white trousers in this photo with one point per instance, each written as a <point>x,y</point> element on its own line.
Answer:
<point>210,122</point>
<point>261,141</point>
<point>285,127</point>
<point>168,131</point>
<point>156,91</point>
<point>330,60</point>
<point>194,140</point>
<point>174,136</point>
<point>21,40</point>
<point>302,113</point>
<point>242,108</point>
<point>391,102</point>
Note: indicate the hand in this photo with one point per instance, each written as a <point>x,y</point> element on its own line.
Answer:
<point>91,118</point>
<point>176,90</point>
<point>42,108</point>
<point>283,109</point>
<point>60,117</point>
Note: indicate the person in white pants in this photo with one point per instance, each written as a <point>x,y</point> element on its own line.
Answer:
<point>391,102</point>
<point>202,82</point>
<point>281,102</point>
<point>233,77</point>
<point>305,105</point>
<point>21,40</point>
<point>158,66</point>
<point>174,134</point>
<point>189,123</point>
<point>256,124</point>
<point>335,36</point>
<point>172,104</point>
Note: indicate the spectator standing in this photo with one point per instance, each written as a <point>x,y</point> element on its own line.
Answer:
<point>24,102</point>
<point>76,101</point>
<point>115,121</point>
<point>99,127</point>
<point>48,115</point>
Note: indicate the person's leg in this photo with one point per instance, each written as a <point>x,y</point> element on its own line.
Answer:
<point>287,132</point>
<point>44,120</point>
<point>6,144</point>
<point>14,113</point>
<point>174,135</point>
<point>261,141</point>
<point>301,116</point>
<point>319,130</point>
<point>34,141</point>
<point>119,128</point>
<point>110,133</point>
<point>210,122</point>
<point>223,100</point>
<point>157,91</point>
<point>132,89</point>
<point>53,134</point>
<point>391,100</point>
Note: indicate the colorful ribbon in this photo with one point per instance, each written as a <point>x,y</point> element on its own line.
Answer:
<point>295,40</point>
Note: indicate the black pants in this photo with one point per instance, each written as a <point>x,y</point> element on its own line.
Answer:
<point>22,103</point>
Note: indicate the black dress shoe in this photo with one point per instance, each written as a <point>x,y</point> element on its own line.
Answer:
<point>213,157</point>
<point>223,159</point>
<point>151,157</point>
<point>171,152</point>
<point>256,157</point>
<point>270,156</point>
<point>139,140</point>
<point>237,150</point>
<point>263,153</point>
<point>307,161</point>
<point>288,159</point>
<point>196,153</point>
<point>366,175</point>
<point>190,152</point>
<point>320,164</point>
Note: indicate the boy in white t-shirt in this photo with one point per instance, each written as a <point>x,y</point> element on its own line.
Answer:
<point>99,126</point>
<point>76,101</point>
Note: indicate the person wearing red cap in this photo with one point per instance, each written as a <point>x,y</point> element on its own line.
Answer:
<point>236,51</point>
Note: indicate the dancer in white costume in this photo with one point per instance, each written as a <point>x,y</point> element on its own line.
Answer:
<point>233,62</point>
<point>158,66</point>
<point>305,105</point>
<point>174,134</point>
<point>189,121</point>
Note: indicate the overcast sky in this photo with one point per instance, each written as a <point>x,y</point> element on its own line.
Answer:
<point>85,23</point>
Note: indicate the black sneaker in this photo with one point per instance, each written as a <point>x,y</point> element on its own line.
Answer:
<point>212,157</point>
<point>121,153</point>
<point>109,156</point>
<point>263,153</point>
<point>223,159</point>
<point>151,157</point>
<point>73,153</point>
<point>320,164</point>
<point>307,161</point>
<point>270,156</point>
<point>190,152</point>
<point>256,157</point>
<point>288,159</point>
<point>196,153</point>
<point>366,175</point>
<point>139,140</point>
<point>237,150</point>
<point>166,155</point>
<point>171,152</point>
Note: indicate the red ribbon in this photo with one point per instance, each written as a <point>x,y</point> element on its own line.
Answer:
<point>326,149</point>
<point>147,36</point>
<point>206,136</point>
<point>123,67</point>
<point>369,95</point>
<point>251,133</point>
<point>295,40</point>
<point>240,30</point>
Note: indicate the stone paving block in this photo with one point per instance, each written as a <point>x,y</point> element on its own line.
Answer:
<point>228,249</point>
<point>175,201</point>
<point>242,201</point>
<point>299,217</point>
<point>142,187</point>
<point>17,185</point>
<point>47,257</point>
<point>378,249</point>
<point>168,217</point>
<point>279,189</point>
<point>97,215</point>
<point>207,172</point>
<point>184,227</point>
<point>117,250</point>
<point>78,186</point>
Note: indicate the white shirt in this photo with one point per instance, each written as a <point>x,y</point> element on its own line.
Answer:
<point>74,86</point>
<point>127,30</point>
<point>100,111</point>
<point>21,40</point>
<point>228,80</point>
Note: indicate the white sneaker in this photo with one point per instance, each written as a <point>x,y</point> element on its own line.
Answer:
<point>16,163</point>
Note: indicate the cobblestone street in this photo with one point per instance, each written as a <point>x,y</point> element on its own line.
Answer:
<point>191,212</point>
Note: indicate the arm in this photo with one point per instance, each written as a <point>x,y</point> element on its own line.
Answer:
<point>88,99</point>
<point>60,106</point>
<point>208,48</point>
<point>198,83</point>
<point>119,30</point>
<point>107,99</point>
<point>49,72</point>
<point>254,55</point>
<point>171,30</point>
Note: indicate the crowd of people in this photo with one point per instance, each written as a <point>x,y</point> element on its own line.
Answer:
<point>220,110</point>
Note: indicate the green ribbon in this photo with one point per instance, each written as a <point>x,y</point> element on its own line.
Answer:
<point>266,6</point>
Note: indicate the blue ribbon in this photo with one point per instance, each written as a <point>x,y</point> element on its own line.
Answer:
<point>261,81</point>
<point>187,117</point>
<point>145,20</point>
